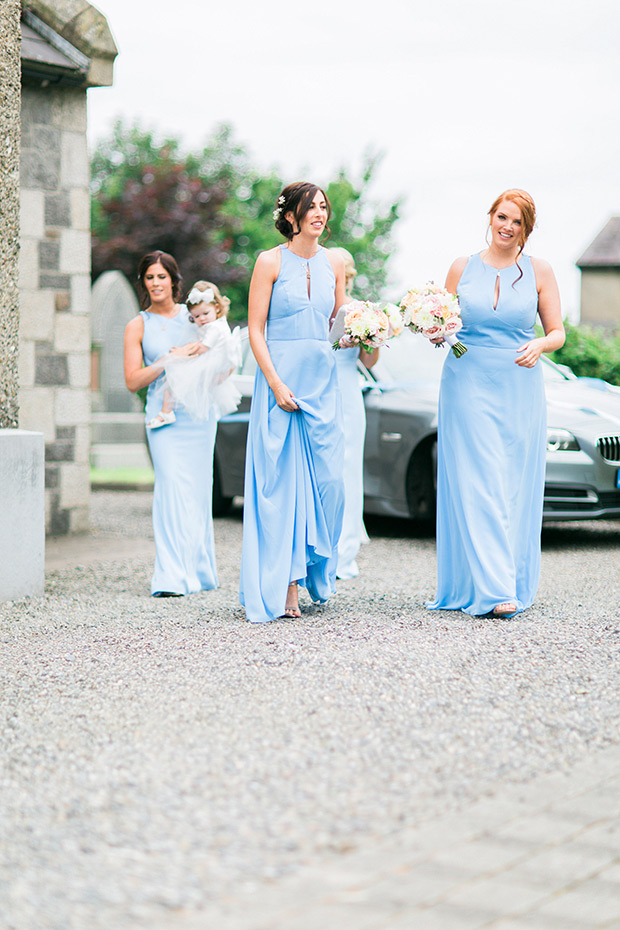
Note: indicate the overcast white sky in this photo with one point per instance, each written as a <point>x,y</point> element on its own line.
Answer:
<point>465,99</point>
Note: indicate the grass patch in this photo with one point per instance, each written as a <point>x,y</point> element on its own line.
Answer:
<point>122,477</point>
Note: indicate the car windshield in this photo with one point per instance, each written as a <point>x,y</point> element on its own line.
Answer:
<point>411,357</point>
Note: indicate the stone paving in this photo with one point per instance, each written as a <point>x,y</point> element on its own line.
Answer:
<point>543,856</point>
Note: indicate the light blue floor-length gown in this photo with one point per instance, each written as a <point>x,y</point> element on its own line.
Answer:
<point>354,418</point>
<point>293,497</point>
<point>491,449</point>
<point>182,456</point>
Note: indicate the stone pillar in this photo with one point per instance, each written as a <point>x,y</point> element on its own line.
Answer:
<point>21,454</point>
<point>55,296</point>
<point>22,505</point>
<point>10,11</point>
<point>54,278</point>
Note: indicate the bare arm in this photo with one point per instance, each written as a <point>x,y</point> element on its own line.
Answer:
<point>454,274</point>
<point>452,282</point>
<point>136,374</point>
<point>550,312</point>
<point>189,350</point>
<point>266,271</point>
<point>368,359</point>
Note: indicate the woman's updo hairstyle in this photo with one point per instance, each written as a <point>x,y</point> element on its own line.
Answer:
<point>296,199</point>
<point>221,303</point>
<point>528,211</point>
<point>166,261</point>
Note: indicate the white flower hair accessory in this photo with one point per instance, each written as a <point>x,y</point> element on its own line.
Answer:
<point>201,297</point>
<point>278,211</point>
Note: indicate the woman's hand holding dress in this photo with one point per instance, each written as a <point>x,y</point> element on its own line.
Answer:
<point>284,397</point>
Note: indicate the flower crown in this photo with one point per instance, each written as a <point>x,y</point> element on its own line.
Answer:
<point>278,212</point>
<point>197,296</point>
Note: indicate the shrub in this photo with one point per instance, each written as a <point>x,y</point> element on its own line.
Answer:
<point>590,353</point>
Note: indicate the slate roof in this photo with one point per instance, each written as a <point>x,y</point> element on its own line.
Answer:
<point>66,42</point>
<point>604,252</point>
<point>47,56</point>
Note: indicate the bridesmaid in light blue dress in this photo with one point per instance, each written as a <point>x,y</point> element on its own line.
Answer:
<point>293,497</point>
<point>492,422</point>
<point>354,414</point>
<point>182,452</point>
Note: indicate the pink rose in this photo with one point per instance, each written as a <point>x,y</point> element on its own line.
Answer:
<point>433,332</point>
<point>453,326</point>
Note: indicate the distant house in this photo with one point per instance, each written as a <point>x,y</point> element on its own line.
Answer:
<point>600,278</point>
<point>67,48</point>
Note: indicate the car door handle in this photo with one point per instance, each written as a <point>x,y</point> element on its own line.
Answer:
<point>391,437</point>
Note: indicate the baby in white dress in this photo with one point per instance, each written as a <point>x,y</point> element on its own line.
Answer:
<point>201,382</point>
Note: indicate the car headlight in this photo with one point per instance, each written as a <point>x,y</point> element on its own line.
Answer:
<point>560,440</point>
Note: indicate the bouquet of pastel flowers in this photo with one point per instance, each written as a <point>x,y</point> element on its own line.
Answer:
<point>365,323</point>
<point>394,316</point>
<point>434,312</point>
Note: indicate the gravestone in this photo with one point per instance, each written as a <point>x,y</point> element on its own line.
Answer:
<point>113,305</point>
<point>118,439</point>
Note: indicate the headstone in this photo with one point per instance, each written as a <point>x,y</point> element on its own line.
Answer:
<point>118,438</point>
<point>113,305</point>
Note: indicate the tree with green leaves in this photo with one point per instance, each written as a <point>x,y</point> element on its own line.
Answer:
<point>147,195</point>
<point>364,227</point>
<point>212,210</point>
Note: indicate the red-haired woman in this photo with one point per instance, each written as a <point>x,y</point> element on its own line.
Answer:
<point>492,421</point>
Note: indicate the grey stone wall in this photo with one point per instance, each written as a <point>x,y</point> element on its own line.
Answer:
<point>600,297</point>
<point>9,208</point>
<point>54,281</point>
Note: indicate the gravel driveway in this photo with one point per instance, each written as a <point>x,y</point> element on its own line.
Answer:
<point>156,753</point>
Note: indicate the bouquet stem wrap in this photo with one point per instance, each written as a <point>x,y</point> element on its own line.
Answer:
<point>456,345</point>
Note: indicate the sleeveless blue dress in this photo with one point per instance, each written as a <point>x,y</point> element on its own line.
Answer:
<point>354,414</point>
<point>182,455</point>
<point>293,497</point>
<point>491,448</point>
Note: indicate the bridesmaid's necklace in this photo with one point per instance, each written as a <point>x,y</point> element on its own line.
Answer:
<point>306,262</point>
<point>162,317</point>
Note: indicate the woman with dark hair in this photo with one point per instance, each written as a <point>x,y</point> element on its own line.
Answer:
<point>293,477</point>
<point>492,421</point>
<point>182,453</point>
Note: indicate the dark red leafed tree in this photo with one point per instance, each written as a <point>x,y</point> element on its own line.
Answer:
<point>147,196</point>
